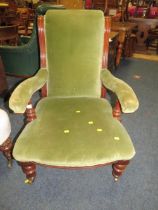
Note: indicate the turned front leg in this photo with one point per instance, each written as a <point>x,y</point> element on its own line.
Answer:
<point>30,113</point>
<point>118,168</point>
<point>29,170</point>
<point>6,149</point>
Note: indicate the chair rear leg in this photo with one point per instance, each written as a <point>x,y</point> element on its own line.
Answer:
<point>29,170</point>
<point>118,168</point>
<point>6,148</point>
<point>117,110</point>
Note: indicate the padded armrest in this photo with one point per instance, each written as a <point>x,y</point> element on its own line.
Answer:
<point>22,94</point>
<point>128,99</point>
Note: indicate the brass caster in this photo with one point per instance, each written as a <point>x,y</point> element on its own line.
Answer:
<point>116,179</point>
<point>29,181</point>
<point>9,163</point>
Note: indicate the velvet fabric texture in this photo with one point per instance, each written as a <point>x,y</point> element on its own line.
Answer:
<point>22,94</point>
<point>73,132</point>
<point>127,98</point>
<point>74,127</point>
<point>75,58</point>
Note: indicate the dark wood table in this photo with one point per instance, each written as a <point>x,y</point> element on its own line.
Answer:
<point>113,43</point>
<point>144,25</point>
<point>124,29</point>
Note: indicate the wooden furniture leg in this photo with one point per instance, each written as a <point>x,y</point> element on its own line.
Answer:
<point>121,40</point>
<point>119,53</point>
<point>117,111</point>
<point>118,168</point>
<point>3,79</point>
<point>127,50</point>
<point>30,113</point>
<point>29,170</point>
<point>6,149</point>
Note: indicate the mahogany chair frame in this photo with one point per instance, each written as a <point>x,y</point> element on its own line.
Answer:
<point>29,168</point>
<point>6,149</point>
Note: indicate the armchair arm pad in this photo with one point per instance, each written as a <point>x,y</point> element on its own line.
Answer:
<point>127,98</point>
<point>22,94</point>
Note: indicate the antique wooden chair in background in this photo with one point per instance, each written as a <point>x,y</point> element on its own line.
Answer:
<point>24,60</point>
<point>23,21</point>
<point>9,35</point>
<point>117,9</point>
<point>152,39</point>
<point>72,127</point>
<point>114,8</point>
<point>71,4</point>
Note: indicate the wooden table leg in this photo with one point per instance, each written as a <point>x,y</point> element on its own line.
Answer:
<point>119,53</point>
<point>121,39</point>
<point>3,80</point>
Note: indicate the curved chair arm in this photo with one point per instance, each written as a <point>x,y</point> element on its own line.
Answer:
<point>127,98</point>
<point>22,94</point>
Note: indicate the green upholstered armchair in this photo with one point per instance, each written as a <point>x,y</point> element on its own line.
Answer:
<point>24,60</point>
<point>73,127</point>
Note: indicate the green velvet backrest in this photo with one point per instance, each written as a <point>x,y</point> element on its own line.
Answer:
<point>74,44</point>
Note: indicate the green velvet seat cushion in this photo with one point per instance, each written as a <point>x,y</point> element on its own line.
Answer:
<point>73,132</point>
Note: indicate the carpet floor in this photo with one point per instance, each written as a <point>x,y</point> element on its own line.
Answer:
<point>57,189</point>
